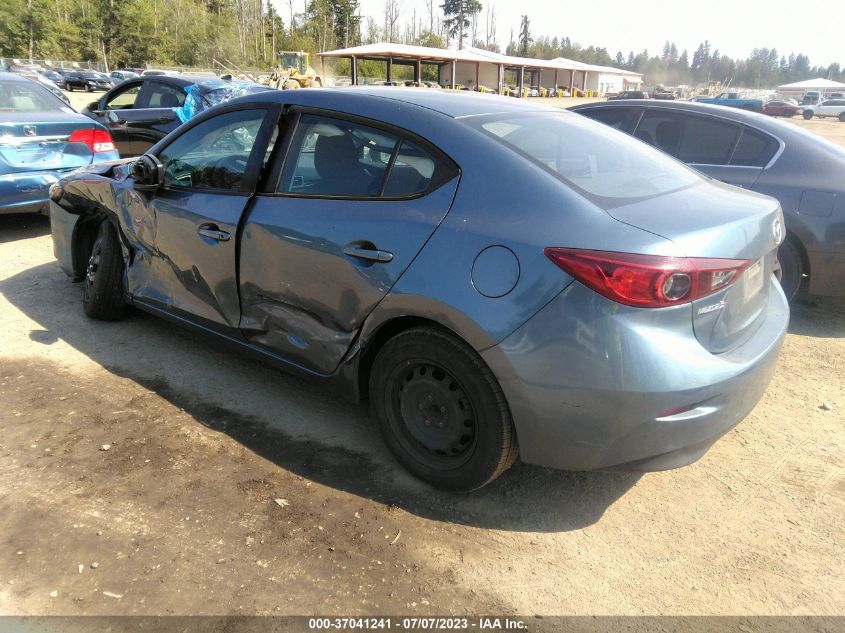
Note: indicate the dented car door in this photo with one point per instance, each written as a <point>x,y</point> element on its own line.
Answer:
<point>350,209</point>
<point>208,175</point>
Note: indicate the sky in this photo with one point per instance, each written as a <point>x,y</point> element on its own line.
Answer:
<point>735,27</point>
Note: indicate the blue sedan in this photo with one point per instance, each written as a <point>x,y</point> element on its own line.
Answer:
<point>41,140</point>
<point>499,279</point>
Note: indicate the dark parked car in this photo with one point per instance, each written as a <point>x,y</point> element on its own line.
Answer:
<point>500,278</point>
<point>780,108</point>
<point>121,75</point>
<point>41,140</point>
<point>629,94</point>
<point>86,80</point>
<point>140,112</point>
<point>802,170</point>
<point>53,76</point>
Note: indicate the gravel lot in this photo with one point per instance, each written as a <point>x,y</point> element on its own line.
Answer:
<point>142,471</point>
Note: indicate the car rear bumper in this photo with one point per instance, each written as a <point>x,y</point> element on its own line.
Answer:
<point>594,385</point>
<point>26,192</point>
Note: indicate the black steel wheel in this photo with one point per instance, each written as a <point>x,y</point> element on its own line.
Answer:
<point>102,287</point>
<point>441,411</point>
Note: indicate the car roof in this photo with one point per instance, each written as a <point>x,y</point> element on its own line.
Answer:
<point>7,76</point>
<point>452,103</point>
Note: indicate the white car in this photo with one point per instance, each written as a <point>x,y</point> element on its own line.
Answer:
<point>831,107</point>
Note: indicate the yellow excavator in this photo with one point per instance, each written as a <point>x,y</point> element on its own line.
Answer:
<point>294,71</point>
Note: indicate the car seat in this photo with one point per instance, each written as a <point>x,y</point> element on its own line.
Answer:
<point>169,100</point>
<point>340,170</point>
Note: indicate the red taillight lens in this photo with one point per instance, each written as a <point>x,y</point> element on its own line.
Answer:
<point>647,281</point>
<point>96,140</point>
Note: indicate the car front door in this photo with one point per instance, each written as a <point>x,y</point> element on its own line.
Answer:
<point>333,231</point>
<point>111,112</point>
<point>191,222</point>
<point>152,115</point>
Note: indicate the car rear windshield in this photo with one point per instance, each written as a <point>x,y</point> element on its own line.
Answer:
<point>26,96</point>
<point>593,158</point>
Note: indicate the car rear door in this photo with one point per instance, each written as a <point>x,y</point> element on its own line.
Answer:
<point>188,229</point>
<point>704,142</point>
<point>332,232</point>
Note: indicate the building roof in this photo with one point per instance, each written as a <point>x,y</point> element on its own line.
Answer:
<point>810,84</point>
<point>473,55</point>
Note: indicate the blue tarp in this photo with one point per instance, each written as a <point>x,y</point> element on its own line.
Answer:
<point>213,91</point>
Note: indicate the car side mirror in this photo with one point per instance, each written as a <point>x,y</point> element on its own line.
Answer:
<point>93,106</point>
<point>148,173</point>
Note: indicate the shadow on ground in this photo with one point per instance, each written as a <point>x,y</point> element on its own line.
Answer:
<point>23,225</point>
<point>822,317</point>
<point>299,426</point>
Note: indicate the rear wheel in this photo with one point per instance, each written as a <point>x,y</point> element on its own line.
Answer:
<point>788,114</point>
<point>69,88</point>
<point>842,116</point>
<point>441,411</point>
<point>102,294</point>
<point>808,115</point>
<point>792,268</point>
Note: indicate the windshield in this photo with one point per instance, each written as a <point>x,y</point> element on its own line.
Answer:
<point>26,96</point>
<point>595,159</point>
<point>291,61</point>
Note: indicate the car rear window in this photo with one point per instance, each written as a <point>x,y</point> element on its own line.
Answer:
<point>592,157</point>
<point>754,149</point>
<point>25,96</point>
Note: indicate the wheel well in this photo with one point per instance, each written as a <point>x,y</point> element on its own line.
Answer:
<point>386,332</point>
<point>802,252</point>
<point>83,239</point>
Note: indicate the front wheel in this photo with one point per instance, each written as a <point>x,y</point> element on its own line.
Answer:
<point>441,411</point>
<point>808,115</point>
<point>69,88</point>
<point>792,269</point>
<point>842,116</point>
<point>102,294</point>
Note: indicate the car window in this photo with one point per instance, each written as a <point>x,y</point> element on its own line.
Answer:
<point>594,158</point>
<point>412,171</point>
<point>614,117</point>
<point>26,96</point>
<point>338,158</point>
<point>125,99</point>
<point>754,149</point>
<point>213,154</point>
<point>162,95</point>
<point>690,138</point>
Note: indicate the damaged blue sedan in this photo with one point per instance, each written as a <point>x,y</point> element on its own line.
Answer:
<point>41,140</point>
<point>501,280</point>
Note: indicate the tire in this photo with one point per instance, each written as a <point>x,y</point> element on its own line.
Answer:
<point>89,89</point>
<point>102,291</point>
<point>441,411</point>
<point>791,267</point>
<point>842,117</point>
<point>808,115</point>
<point>291,84</point>
<point>789,114</point>
<point>317,83</point>
<point>69,88</point>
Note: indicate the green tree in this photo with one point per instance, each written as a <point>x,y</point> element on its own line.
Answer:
<point>457,14</point>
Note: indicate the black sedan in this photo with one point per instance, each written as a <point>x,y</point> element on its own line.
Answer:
<point>140,112</point>
<point>86,80</point>
<point>802,170</point>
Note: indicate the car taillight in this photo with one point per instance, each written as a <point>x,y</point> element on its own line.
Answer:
<point>647,281</point>
<point>96,140</point>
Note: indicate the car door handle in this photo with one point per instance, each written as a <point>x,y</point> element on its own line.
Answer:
<point>213,231</point>
<point>369,254</point>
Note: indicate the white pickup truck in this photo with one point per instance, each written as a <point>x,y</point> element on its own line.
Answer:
<point>832,107</point>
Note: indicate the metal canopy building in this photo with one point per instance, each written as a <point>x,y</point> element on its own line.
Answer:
<point>473,67</point>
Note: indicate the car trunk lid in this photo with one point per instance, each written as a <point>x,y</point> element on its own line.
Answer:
<point>713,220</point>
<point>40,142</point>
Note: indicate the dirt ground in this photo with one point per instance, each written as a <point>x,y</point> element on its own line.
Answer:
<point>144,471</point>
